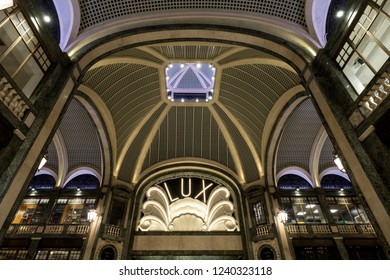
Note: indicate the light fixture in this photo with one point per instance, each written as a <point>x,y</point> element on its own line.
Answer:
<point>5,4</point>
<point>47,19</point>
<point>43,162</point>
<point>282,216</point>
<point>92,214</point>
<point>337,161</point>
<point>339,14</point>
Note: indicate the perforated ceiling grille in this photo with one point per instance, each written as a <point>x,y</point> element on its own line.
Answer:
<point>52,159</point>
<point>250,91</point>
<point>190,52</point>
<point>97,11</point>
<point>326,158</point>
<point>129,90</point>
<point>127,169</point>
<point>298,136</point>
<point>81,137</point>
<point>249,165</point>
<point>189,132</point>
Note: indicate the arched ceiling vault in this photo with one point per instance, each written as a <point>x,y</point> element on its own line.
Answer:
<point>259,49</point>
<point>150,129</point>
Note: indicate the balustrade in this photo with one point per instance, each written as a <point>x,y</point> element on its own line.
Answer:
<point>376,95</point>
<point>12,99</point>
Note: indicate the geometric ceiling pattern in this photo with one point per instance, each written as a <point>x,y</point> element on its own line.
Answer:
<point>252,90</point>
<point>98,11</point>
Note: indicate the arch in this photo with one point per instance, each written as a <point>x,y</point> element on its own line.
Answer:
<point>82,171</point>
<point>104,138</point>
<point>68,12</point>
<point>108,252</point>
<point>297,171</point>
<point>335,182</point>
<point>296,57</point>
<point>168,20</point>
<point>187,198</point>
<point>333,171</point>
<point>316,12</point>
<point>43,180</point>
<point>47,171</point>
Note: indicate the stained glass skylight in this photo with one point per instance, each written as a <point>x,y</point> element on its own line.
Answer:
<point>190,82</point>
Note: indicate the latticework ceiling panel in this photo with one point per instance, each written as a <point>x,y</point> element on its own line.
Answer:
<point>80,138</point>
<point>251,171</point>
<point>131,158</point>
<point>95,12</point>
<point>250,91</point>
<point>326,158</point>
<point>129,91</point>
<point>298,137</point>
<point>190,52</point>
<point>189,132</point>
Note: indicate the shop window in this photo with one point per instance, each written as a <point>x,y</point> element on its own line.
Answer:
<point>364,249</point>
<point>315,249</point>
<point>347,210</point>
<point>58,254</point>
<point>302,210</point>
<point>31,211</point>
<point>259,213</point>
<point>71,211</point>
<point>117,213</point>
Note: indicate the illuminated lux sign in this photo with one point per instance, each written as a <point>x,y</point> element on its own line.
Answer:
<point>4,4</point>
<point>186,190</point>
<point>187,204</point>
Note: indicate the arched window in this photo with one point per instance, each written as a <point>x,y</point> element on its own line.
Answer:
<point>42,182</point>
<point>302,208</point>
<point>83,182</point>
<point>335,182</point>
<point>293,182</point>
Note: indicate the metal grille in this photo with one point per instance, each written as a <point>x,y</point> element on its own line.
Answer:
<point>97,11</point>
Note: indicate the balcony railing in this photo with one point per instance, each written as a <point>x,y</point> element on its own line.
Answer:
<point>14,101</point>
<point>377,94</point>
<point>330,229</point>
<point>80,229</point>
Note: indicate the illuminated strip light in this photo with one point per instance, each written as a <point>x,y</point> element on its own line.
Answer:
<point>5,4</point>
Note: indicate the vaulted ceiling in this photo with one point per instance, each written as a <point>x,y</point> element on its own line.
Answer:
<point>122,125</point>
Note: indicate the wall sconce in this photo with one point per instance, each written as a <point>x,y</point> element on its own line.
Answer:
<point>282,216</point>
<point>5,4</point>
<point>43,162</point>
<point>339,164</point>
<point>92,214</point>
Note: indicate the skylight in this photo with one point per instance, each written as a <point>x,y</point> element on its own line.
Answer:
<point>190,82</point>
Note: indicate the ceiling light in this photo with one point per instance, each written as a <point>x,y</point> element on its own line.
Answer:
<point>333,210</point>
<point>337,161</point>
<point>46,19</point>
<point>43,162</point>
<point>339,14</point>
<point>301,213</point>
